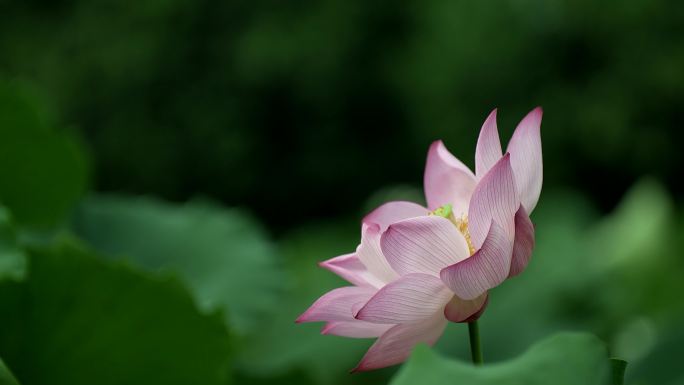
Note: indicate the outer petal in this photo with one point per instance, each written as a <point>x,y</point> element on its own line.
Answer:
<point>484,270</point>
<point>355,329</point>
<point>336,305</point>
<point>350,267</point>
<point>396,344</point>
<point>488,150</point>
<point>396,211</point>
<point>370,255</point>
<point>423,245</point>
<point>524,242</point>
<point>411,298</point>
<point>494,199</point>
<point>447,180</point>
<point>526,158</point>
<point>461,310</point>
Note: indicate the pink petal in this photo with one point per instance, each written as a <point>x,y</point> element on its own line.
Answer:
<point>392,212</point>
<point>484,270</point>
<point>336,305</point>
<point>355,329</point>
<point>524,242</point>
<point>526,159</point>
<point>371,256</point>
<point>488,150</point>
<point>423,245</point>
<point>396,344</point>
<point>447,180</point>
<point>350,267</point>
<point>478,313</point>
<point>461,310</point>
<point>494,199</point>
<point>411,298</point>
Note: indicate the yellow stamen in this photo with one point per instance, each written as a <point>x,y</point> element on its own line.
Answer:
<point>462,226</point>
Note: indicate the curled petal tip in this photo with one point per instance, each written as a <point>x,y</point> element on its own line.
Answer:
<point>534,117</point>
<point>361,367</point>
<point>488,148</point>
<point>492,117</point>
<point>438,148</point>
<point>438,142</point>
<point>434,146</point>
<point>525,145</point>
<point>304,317</point>
<point>372,227</point>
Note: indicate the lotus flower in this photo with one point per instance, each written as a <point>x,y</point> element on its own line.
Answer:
<point>419,267</point>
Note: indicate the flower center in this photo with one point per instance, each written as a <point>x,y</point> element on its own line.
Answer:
<point>460,223</point>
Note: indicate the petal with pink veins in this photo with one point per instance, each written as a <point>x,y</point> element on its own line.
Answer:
<point>423,245</point>
<point>355,329</point>
<point>447,180</point>
<point>461,310</point>
<point>350,267</point>
<point>396,344</point>
<point>524,242</point>
<point>371,256</point>
<point>411,298</point>
<point>396,211</point>
<point>526,159</point>
<point>485,269</point>
<point>337,304</point>
<point>494,199</point>
<point>488,150</point>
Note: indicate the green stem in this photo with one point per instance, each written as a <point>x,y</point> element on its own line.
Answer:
<point>618,369</point>
<point>475,347</point>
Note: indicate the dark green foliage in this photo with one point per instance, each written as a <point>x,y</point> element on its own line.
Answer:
<point>43,171</point>
<point>12,256</point>
<point>300,110</point>
<point>6,377</point>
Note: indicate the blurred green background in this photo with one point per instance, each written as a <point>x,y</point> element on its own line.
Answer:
<point>172,171</point>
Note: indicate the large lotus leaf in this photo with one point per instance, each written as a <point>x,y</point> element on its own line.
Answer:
<point>563,359</point>
<point>222,254</point>
<point>77,319</point>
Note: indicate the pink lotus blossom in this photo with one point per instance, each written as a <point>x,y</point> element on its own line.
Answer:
<point>418,268</point>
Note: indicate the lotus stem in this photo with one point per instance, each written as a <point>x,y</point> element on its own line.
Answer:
<point>475,347</point>
<point>618,370</point>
